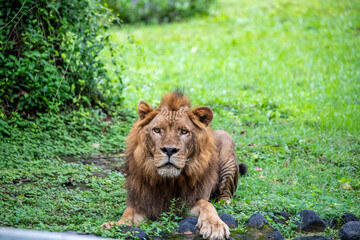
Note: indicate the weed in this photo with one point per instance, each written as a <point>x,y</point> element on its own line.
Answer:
<point>166,223</point>
<point>289,229</point>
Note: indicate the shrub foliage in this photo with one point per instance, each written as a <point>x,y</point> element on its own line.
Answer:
<point>158,10</point>
<point>49,54</point>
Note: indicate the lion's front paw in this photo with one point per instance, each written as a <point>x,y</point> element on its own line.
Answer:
<point>108,225</point>
<point>213,229</point>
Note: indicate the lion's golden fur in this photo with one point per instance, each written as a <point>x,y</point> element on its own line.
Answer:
<point>149,193</point>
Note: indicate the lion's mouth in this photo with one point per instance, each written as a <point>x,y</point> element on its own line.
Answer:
<point>169,170</point>
<point>168,165</point>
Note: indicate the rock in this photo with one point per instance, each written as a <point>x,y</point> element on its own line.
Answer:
<point>139,233</point>
<point>263,229</point>
<point>348,217</point>
<point>332,223</point>
<point>229,220</point>
<point>276,235</point>
<point>187,226</point>
<point>256,221</point>
<point>282,217</point>
<point>315,237</point>
<point>310,221</point>
<point>350,231</point>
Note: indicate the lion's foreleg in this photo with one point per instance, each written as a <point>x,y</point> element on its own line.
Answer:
<point>209,222</point>
<point>130,217</point>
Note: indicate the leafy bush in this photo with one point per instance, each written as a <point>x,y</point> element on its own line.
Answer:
<point>48,55</point>
<point>158,10</point>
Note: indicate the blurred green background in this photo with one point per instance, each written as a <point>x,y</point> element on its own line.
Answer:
<point>300,56</point>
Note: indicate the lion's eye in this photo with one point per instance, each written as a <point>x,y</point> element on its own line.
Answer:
<point>156,130</point>
<point>184,131</point>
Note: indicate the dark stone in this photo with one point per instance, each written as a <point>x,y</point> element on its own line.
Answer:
<point>139,233</point>
<point>276,235</point>
<point>187,225</point>
<point>161,236</point>
<point>256,221</point>
<point>332,223</point>
<point>348,217</point>
<point>312,238</point>
<point>229,220</point>
<point>265,233</point>
<point>350,231</point>
<point>310,221</point>
<point>282,217</point>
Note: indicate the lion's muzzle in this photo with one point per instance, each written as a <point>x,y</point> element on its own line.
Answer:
<point>169,151</point>
<point>169,167</point>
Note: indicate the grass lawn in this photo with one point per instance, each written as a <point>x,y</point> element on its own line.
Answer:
<point>283,77</point>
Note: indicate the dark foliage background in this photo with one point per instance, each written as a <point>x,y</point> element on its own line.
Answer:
<point>49,55</point>
<point>158,10</point>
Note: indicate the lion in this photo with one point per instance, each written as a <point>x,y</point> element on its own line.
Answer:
<point>172,153</point>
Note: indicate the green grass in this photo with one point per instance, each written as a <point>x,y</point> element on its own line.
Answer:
<point>35,186</point>
<point>287,73</point>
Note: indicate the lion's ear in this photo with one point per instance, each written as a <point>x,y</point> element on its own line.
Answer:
<point>143,109</point>
<point>204,114</point>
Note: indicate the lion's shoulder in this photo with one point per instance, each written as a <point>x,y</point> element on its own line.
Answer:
<point>223,139</point>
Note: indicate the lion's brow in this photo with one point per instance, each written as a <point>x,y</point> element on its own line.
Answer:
<point>173,116</point>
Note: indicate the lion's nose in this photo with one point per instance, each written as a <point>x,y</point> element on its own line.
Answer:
<point>169,151</point>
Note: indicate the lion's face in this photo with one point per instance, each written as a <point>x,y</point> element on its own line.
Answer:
<point>172,137</point>
<point>173,142</point>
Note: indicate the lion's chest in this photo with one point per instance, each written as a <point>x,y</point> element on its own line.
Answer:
<point>154,200</point>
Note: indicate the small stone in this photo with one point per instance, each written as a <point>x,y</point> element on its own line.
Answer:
<point>282,217</point>
<point>310,221</point>
<point>348,217</point>
<point>350,231</point>
<point>315,237</point>
<point>229,220</point>
<point>332,223</point>
<point>188,226</point>
<point>256,221</point>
